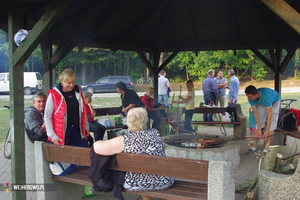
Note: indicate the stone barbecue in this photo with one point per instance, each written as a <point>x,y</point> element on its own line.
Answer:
<point>217,149</point>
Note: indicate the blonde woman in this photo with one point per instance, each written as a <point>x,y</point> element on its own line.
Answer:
<point>140,140</point>
<point>65,114</point>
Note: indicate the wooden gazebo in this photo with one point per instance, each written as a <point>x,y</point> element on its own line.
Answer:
<point>152,26</point>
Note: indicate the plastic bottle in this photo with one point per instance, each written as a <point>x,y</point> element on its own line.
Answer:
<point>196,128</point>
<point>89,191</point>
<point>232,117</point>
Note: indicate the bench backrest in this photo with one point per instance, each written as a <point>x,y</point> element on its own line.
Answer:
<point>110,111</point>
<point>159,165</point>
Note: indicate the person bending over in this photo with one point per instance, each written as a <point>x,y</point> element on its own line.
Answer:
<point>265,104</point>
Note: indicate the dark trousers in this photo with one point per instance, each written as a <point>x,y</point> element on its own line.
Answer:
<point>97,129</point>
<point>73,136</point>
<point>212,97</point>
<point>187,119</point>
<point>153,115</point>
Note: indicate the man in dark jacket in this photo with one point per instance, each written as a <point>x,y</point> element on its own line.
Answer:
<point>34,122</point>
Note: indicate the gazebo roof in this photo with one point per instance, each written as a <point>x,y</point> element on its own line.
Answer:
<point>163,25</point>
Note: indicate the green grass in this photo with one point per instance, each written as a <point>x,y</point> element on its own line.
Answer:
<point>102,102</point>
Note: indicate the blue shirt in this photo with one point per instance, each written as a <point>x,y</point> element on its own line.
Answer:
<point>209,85</point>
<point>267,97</point>
<point>234,86</point>
<point>221,91</point>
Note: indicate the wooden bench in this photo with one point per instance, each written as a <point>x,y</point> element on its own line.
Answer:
<point>220,184</point>
<point>291,133</point>
<point>239,126</point>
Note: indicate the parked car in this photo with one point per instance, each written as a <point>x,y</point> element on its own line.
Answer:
<point>33,82</point>
<point>107,84</point>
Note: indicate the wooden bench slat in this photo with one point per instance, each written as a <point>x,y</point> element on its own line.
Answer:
<point>291,133</point>
<point>210,122</point>
<point>139,163</point>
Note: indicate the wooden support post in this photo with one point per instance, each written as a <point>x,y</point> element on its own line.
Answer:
<point>39,30</point>
<point>15,22</point>
<point>47,54</point>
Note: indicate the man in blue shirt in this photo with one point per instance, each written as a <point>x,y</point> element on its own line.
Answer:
<point>209,87</point>
<point>221,85</point>
<point>265,104</point>
<point>234,86</point>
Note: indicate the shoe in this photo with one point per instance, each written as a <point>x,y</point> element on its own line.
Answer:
<point>249,152</point>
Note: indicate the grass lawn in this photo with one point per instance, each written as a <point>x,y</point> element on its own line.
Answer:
<point>102,102</point>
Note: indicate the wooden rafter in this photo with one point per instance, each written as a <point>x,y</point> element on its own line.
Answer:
<point>39,30</point>
<point>105,18</point>
<point>288,57</point>
<point>285,12</point>
<point>190,21</point>
<point>140,24</point>
<point>262,57</point>
<point>145,60</point>
<point>61,53</point>
<point>168,60</point>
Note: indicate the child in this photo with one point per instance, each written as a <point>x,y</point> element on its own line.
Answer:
<point>189,106</point>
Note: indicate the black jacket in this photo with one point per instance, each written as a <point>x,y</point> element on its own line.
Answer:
<point>105,180</point>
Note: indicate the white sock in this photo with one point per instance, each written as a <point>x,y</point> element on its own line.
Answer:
<point>253,148</point>
<point>266,151</point>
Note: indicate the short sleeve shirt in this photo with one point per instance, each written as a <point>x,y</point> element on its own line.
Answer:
<point>190,104</point>
<point>267,97</point>
<point>131,97</point>
<point>163,82</point>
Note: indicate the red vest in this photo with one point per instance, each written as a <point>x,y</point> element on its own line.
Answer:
<point>58,117</point>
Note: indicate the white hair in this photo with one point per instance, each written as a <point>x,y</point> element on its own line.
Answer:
<point>137,119</point>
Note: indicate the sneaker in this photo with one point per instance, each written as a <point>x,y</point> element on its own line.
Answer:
<point>250,151</point>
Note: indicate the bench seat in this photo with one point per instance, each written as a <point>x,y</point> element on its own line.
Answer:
<point>189,190</point>
<point>291,133</point>
<point>192,176</point>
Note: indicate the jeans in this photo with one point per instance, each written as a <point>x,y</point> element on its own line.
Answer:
<point>212,97</point>
<point>97,129</point>
<point>187,119</point>
<point>166,99</point>
<point>153,115</point>
<point>73,136</point>
<point>232,104</point>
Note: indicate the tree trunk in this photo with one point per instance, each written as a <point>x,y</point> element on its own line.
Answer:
<point>285,169</point>
<point>269,160</point>
<point>83,76</point>
<point>187,74</point>
<point>277,162</point>
<point>296,71</point>
<point>127,63</point>
<point>92,73</point>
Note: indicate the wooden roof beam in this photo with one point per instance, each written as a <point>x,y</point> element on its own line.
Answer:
<point>190,20</point>
<point>145,60</point>
<point>111,12</point>
<point>262,57</point>
<point>288,57</point>
<point>39,31</point>
<point>61,53</point>
<point>140,23</point>
<point>168,60</point>
<point>285,12</point>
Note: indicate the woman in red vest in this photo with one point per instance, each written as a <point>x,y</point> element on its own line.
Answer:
<point>65,113</point>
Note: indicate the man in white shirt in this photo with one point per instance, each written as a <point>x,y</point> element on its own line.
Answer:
<point>163,85</point>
